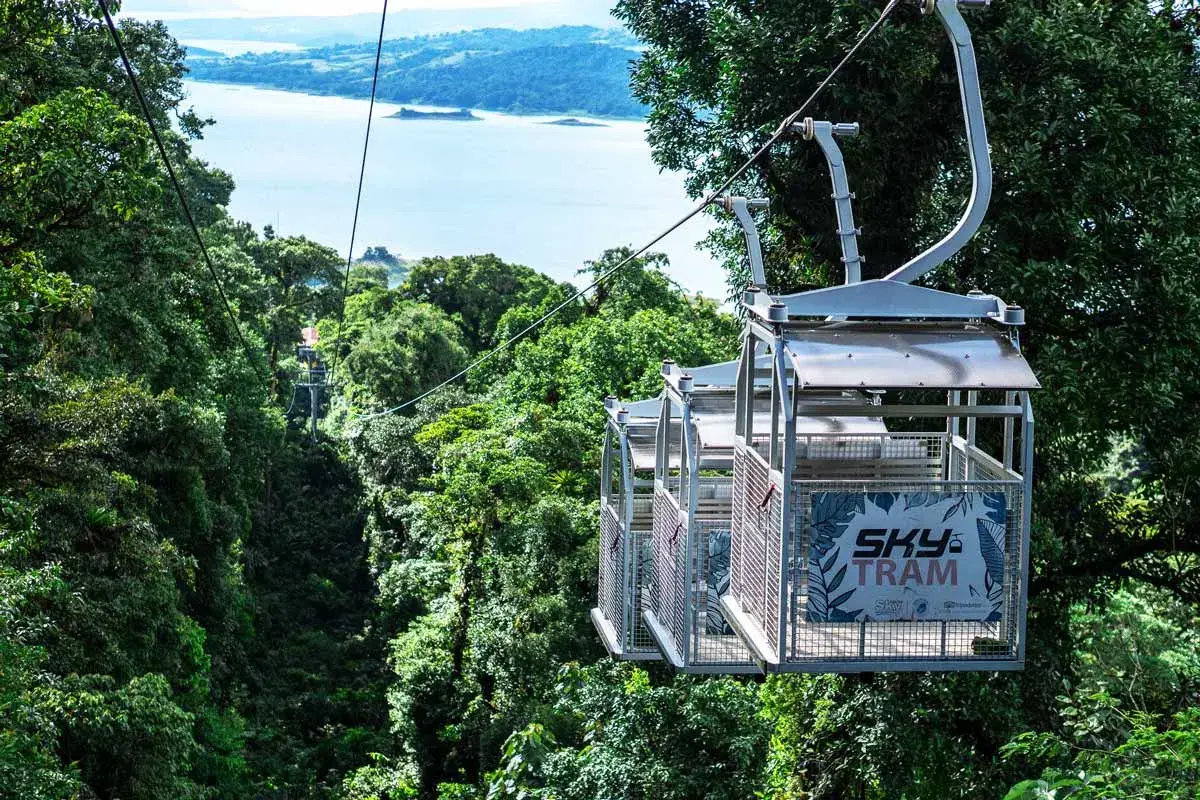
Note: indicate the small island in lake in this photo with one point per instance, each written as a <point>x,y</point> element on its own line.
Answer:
<point>462,115</point>
<point>571,122</point>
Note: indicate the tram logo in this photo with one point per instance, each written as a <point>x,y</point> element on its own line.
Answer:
<point>897,556</point>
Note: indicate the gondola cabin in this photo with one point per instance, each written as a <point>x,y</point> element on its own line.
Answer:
<point>693,502</point>
<point>638,439</point>
<point>626,507</point>
<point>857,497</point>
<point>901,545</point>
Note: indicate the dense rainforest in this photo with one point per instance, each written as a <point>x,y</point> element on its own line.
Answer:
<point>568,69</point>
<point>197,600</point>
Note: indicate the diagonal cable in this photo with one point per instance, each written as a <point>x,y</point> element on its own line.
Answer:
<point>362,173</point>
<point>778,134</point>
<point>187,211</point>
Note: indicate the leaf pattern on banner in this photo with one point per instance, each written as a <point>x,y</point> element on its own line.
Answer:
<point>965,503</point>
<point>841,598</point>
<point>717,582</point>
<point>995,593</point>
<point>838,615</point>
<point>831,515</point>
<point>922,499</point>
<point>991,546</point>
<point>820,607</point>
<point>883,500</point>
<point>997,510</point>
<point>837,580</point>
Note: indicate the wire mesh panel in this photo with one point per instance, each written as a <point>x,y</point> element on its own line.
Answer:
<point>611,593</point>
<point>713,640</point>
<point>756,542</point>
<point>892,605</point>
<point>863,456</point>
<point>642,572</point>
<point>624,577</point>
<point>668,590</point>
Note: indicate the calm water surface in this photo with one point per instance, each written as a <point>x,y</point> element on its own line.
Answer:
<point>546,196</point>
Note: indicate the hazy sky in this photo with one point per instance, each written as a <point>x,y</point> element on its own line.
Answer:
<point>166,9</point>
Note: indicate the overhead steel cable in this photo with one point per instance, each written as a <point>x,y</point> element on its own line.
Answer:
<point>712,196</point>
<point>187,211</point>
<point>362,173</point>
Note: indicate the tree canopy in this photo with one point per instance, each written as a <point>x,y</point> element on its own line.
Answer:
<point>197,600</point>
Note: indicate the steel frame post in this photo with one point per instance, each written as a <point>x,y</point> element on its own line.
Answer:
<point>629,587</point>
<point>787,458</point>
<point>1026,518</point>
<point>689,455</point>
<point>740,206</point>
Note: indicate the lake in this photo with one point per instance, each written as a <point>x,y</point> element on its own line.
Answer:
<point>546,196</point>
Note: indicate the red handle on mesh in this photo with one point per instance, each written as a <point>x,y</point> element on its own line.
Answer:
<point>767,496</point>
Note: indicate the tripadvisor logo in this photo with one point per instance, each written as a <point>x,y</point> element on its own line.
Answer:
<point>898,558</point>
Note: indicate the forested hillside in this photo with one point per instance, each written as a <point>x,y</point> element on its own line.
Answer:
<point>569,69</point>
<point>199,601</point>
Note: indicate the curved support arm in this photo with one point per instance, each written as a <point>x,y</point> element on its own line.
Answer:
<point>740,207</point>
<point>981,163</point>
<point>824,133</point>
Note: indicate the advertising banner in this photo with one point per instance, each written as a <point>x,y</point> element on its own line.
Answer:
<point>893,556</point>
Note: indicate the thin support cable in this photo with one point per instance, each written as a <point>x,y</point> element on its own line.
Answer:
<point>362,173</point>
<point>187,211</point>
<point>779,132</point>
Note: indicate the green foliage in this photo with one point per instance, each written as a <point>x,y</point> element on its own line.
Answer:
<point>619,345</point>
<point>195,602</point>
<point>154,623</point>
<point>482,515</point>
<point>394,349</point>
<point>476,291</point>
<point>77,155</point>
<point>1121,733</point>
<point>632,739</point>
<point>29,766</point>
<point>130,740</point>
<point>1151,762</point>
<point>377,782</point>
<point>539,71</point>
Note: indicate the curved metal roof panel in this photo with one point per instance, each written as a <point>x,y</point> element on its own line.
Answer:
<point>903,357</point>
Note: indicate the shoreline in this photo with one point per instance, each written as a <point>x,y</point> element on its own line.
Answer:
<point>528,114</point>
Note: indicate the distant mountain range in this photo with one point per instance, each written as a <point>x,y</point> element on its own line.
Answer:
<point>357,28</point>
<point>578,70</point>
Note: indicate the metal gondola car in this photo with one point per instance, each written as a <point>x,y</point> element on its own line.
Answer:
<point>906,548</point>
<point>629,504</point>
<point>626,506</point>
<point>871,466</point>
<point>693,503</point>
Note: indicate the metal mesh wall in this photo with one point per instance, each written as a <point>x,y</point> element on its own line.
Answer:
<point>611,595</point>
<point>625,572</point>
<point>713,641</point>
<point>864,456</point>
<point>668,590</point>
<point>907,641</point>
<point>757,521</point>
<point>639,640</point>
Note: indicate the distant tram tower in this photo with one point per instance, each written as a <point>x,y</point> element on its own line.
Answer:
<point>312,375</point>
